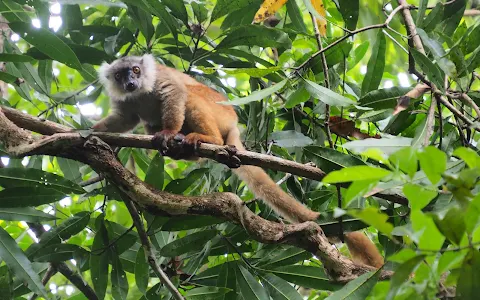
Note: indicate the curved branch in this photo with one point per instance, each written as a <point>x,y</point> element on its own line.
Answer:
<point>228,206</point>
<point>66,136</point>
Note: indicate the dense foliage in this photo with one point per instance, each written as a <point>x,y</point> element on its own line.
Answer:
<point>356,124</point>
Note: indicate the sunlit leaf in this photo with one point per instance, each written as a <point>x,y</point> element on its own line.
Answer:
<point>358,288</point>
<point>48,43</point>
<point>418,196</point>
<point>355,173</point>
<point>191,242</point>
<point>376,64</point>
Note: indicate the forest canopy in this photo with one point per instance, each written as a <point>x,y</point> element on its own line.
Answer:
<point>364,111</point>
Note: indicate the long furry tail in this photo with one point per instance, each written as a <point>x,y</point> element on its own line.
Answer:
<point>266,189</point>
<point>361,248</point>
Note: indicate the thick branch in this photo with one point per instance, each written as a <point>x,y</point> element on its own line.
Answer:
<point>228,206</point>
<point>145,141</point>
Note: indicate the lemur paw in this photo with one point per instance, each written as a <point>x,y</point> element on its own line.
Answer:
<point>228,156</point>
<point>193,140</point>
<point>169,143</point>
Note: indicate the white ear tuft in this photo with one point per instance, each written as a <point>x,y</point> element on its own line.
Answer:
<point>149,72</point>
<point>103,73</point>
<point>148,60</point>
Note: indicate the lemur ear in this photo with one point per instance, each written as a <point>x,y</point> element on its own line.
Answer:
<point>103,73</point>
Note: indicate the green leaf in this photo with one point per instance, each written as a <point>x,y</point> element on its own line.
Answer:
<point>358,189</point>
<point>469,156</point>
<point>47,42</point>
<point>472,215</point>
<point>13,11</point>
<point>418,196</point>
<point>296,16</point>
<point>45,71</point>
<point>179,186</point>
<point>255,35</point>
<point>290,138</point>
<point>15,57</point>
<point>206,292</point>
<point>433,18</point>
<point>329,159</point>
<point>26,214</point>
<point>430,238</point>
<point>402,273</point>
<point>70,169</point>
<point>118,278</point>
<point>452,225</point>
<point>289,256</point>
<point>433,162</point>
<point>58,253</point>
<point>422,8</point>
<point>99,260</point>
<point>8,78</point>
<point>327,96</point>
<point>383,98</point>
<point>306,276</point>
<point>155,172</point>
<point>300,95</point>
<point>428,67</point>
<point>141,271</point>
<point>355,173</point>
<point>189,222</point>
<point>64,231</point>
<point>29,196</point>
<point>177,9</point>
<point>21,267</point>
<point>6,284</point>
<point>226,279</point>
<point>29,177</point>
<point>200,12</point>
<point>469,276</point>
<point>376,64</point>
<point>257,95</point>
<point>358,288</point>
<point>386,145</point>
<point>406,159</point>
<point>188,243</point>
<point>349,10</point>
<point>249,286</point>
<point>224,7</point>
<point>452,15</point>
<point>279,288</point>
<point>143,20</point>
<point>373,217</point>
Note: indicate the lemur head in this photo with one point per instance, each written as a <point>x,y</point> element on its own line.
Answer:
<point>128,77</point>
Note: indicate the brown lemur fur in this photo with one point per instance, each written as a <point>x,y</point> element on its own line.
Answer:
<point>174,106</point>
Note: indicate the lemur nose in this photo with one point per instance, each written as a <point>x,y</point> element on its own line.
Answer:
<point>131,87</point>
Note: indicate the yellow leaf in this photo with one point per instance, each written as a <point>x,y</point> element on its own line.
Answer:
<point>321,23</point>
<point>267,9</point>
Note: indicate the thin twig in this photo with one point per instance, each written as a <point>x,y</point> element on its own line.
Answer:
<point>326,77</point>
<point>147,247</point>
<point>52,270</point>
<point>75,278</point>
<point>91,181</point>
<point>350,34</point>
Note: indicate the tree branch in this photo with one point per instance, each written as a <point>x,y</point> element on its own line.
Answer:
<point>228,206</point>
<point>149,253</point>
<point>66,136</point>
<point>350,34</point>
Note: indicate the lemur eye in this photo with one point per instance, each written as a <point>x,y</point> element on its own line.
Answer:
<point>136,70</point>
<point>117,75</point>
